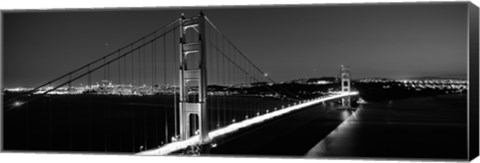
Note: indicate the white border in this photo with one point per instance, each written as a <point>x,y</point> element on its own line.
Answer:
<point>87,4</point>
<point>12,5</point>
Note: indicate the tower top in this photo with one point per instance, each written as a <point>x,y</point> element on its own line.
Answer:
<point>345,68</point>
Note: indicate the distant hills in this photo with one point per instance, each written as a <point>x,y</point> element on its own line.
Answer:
<point>335,79</point>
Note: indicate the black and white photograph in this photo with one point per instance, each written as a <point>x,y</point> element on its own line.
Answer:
<point>320,81</point>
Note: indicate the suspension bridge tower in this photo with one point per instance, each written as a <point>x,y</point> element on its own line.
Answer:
<point>193,79</point>
<point>345,82</point>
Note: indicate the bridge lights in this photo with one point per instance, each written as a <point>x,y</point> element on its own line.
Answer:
<point>18,103</point>
<point>173,139</point>
<point>213,145</point>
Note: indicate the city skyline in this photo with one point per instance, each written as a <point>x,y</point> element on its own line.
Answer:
<point>386,41</point>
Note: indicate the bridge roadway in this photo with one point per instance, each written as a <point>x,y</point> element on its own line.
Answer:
<point>292,118</point>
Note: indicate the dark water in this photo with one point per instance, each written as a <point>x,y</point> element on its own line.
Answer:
<point>113,124</point>
<point>423,127</point>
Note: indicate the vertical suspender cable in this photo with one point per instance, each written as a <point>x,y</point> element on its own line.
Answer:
<point>144,71</point>
<point>251,78</point>
<point>131,89</point>
<point>144,64</point>
<point>224,84</point>
<point>246,96</point>
<point>153,63</point>
<point>119,67</point>
<point>210,68</point>
<point>217,62</point>
<point>108,72</point>
<point>131,82</point>
<point>165,81</point>
<point>175,72</point>
<point>235,95</point>
<point>89,78</point>
<point>69,82</point>
<point>139,67</point>
<point>104,69</point>
<point>157,112</point>
<point>229,70</point>
<point>125,70</point>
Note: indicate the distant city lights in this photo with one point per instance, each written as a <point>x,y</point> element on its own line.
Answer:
<point>453,85</point>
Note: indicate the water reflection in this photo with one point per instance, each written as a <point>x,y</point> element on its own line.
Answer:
<point>323,148</point>
<point>346,113</point>
<point>385,129</point>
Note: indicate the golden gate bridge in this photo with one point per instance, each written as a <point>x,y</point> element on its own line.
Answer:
<point>181,85</point>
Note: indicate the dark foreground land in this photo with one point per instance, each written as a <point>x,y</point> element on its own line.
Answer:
<point>109,123</point>
<point>432,127</point>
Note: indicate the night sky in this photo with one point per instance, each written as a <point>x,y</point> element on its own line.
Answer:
<point>388,41</point>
